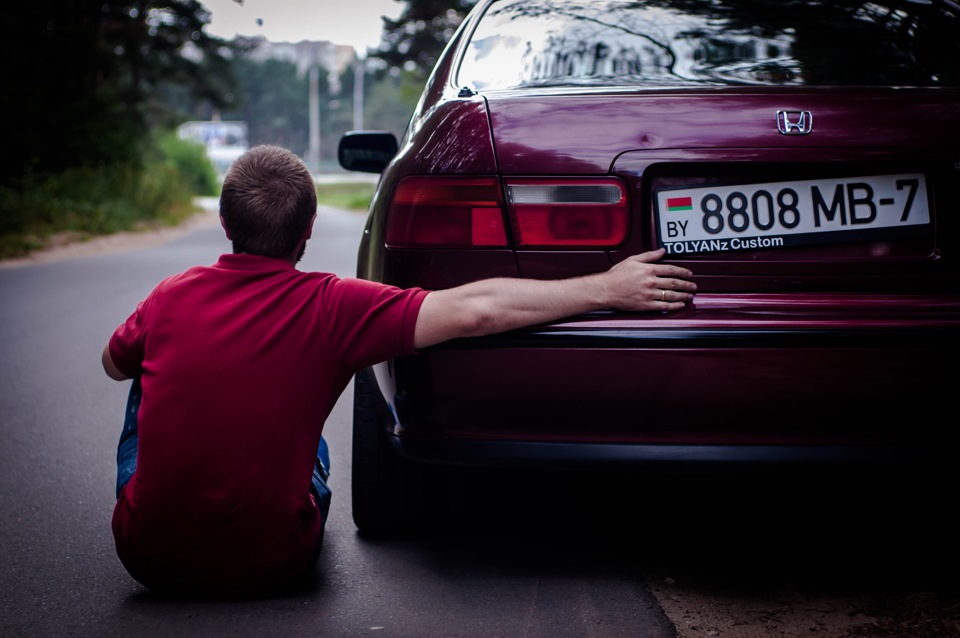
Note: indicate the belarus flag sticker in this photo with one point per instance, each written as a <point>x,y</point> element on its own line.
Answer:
<point>677,204</point>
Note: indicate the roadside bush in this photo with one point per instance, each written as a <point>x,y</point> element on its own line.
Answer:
<point>190,160</point>
<point>93,200</point>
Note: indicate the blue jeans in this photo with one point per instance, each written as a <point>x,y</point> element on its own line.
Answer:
<point>127,455</point>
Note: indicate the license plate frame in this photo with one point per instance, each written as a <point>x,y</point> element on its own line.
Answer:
<point>726,217</point>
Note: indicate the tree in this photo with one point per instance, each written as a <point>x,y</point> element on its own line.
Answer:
<point>274,101</point>
<point>390,101</point>
<point>87,71</point>
<point>414,40</point>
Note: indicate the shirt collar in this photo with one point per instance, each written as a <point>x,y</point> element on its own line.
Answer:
<point>256,263</point>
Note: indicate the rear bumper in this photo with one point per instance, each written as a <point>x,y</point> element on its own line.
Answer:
<point>751,380</point>
<point>686,459</point>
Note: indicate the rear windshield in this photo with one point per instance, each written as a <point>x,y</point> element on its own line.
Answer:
<point>531,43</point>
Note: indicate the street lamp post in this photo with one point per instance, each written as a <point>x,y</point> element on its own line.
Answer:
<point>359,71</point>
<point>313,149</point>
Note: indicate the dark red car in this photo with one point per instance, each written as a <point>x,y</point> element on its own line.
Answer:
<point>802,158</point>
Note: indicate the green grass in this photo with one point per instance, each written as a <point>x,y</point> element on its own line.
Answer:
<point>353,196</point>
<point>93,200</point>
<point>88,202</point>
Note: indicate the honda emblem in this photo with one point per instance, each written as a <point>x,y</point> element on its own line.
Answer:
<point>795,122</point>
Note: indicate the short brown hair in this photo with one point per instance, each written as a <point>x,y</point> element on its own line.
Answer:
<point>267,201</point>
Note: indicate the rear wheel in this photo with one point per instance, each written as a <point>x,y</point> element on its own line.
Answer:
<point>383,484</point>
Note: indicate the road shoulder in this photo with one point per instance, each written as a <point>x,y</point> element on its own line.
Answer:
<point>68,246</point>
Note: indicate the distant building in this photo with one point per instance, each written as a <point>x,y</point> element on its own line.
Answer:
<point>334,58</point>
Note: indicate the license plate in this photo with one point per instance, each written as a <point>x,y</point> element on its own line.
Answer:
<point>776,215</point>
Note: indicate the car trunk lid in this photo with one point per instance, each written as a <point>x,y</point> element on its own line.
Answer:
<point>854,159</point>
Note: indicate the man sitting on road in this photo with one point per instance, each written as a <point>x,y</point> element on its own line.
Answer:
<point>222,470</point>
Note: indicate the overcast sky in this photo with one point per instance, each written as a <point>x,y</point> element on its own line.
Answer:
<point>353,22</point>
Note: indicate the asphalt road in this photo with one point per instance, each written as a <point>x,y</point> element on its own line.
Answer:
<point>503,555</point>
<point>60,416</point>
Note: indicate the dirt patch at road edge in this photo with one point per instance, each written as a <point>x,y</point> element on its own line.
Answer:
<point>71,246</point>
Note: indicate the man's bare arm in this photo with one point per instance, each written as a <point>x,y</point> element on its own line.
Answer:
<point>497,305</point>
<point>110,367</point>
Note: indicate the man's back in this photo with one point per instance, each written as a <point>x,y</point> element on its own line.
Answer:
<point>240,364</point>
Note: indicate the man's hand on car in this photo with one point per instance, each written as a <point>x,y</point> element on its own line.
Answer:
<point>637,283</point>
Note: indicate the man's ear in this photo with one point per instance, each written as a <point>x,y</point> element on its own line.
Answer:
<point>309,232</point>
<point>225,229</point>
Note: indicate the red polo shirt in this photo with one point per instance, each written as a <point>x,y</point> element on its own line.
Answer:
<point>241,362</point>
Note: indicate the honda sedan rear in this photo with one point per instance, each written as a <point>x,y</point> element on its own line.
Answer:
<point>802,158</point>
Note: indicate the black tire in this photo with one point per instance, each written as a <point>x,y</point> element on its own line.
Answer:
<point>382,483</point>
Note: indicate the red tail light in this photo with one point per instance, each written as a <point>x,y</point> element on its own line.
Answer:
<point>467,212</point>
<point>563,213</point>
<point>447,212</point>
